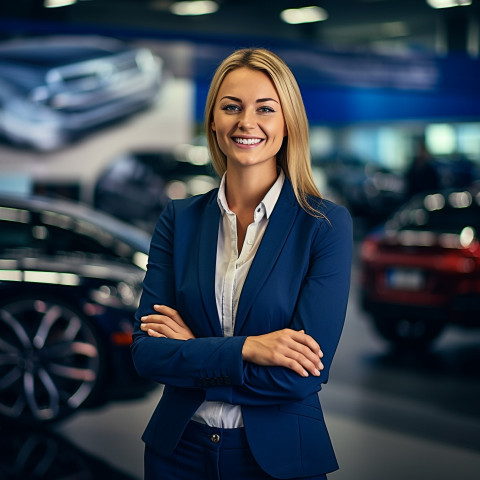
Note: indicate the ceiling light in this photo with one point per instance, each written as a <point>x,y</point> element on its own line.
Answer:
<point>449,3</point>
<point>197,7</point>
<point>58,3</point>
<point>295,16</point>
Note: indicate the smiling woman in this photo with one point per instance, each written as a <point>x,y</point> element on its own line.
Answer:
<point>245,294</point>
<point>248,119</point>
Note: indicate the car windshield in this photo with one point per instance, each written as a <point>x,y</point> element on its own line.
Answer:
<point>439,213</point>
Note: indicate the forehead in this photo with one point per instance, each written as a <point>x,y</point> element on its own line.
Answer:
<point>245,82</point>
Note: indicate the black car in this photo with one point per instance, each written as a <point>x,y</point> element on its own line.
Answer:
<point>370,191</point>
<point>54,89</point>
<point>70,280</point>
<point>136,186</point>
<point>39,453</point>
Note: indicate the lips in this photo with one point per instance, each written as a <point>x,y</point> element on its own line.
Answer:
<point>247,141</point>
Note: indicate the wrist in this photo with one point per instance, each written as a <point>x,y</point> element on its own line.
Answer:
<point>245,348</point>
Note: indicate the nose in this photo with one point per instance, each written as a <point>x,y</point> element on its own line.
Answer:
<point>246,120</point>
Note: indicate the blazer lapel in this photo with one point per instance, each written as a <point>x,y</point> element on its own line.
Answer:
<point>207,261</point>
<point>279,226</point>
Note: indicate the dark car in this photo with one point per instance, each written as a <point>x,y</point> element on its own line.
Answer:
<point>370,191</point>
<point>39,453</point>
<point>421,271</point>
<point>70,280</point>
<point>136,186</point>
<point>54,89</point>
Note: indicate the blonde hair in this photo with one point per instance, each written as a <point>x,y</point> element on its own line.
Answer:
<point>294,154</point>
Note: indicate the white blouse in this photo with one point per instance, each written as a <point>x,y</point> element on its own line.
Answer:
<point>230,274</point>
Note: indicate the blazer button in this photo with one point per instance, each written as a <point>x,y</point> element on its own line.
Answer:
<point>215,438</point>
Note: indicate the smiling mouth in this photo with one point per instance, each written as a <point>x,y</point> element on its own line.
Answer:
<point>247,141</point>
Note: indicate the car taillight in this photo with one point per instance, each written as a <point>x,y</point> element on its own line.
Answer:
<point>461,261</point>
<point>368,249</point>
<point>122,339</point>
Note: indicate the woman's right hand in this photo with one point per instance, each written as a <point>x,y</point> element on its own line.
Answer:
<point>285,348</point>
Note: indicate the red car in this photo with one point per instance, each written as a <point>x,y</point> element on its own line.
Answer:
<point>421,271</point>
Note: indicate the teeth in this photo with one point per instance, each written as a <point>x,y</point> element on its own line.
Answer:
<point>248,141</point>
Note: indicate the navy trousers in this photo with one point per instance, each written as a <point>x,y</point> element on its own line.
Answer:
<point>208,453</point>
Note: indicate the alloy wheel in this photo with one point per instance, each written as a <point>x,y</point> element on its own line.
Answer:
<point>50,360</point>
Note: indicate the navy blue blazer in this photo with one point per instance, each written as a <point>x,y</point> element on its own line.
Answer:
<point>299,279</point>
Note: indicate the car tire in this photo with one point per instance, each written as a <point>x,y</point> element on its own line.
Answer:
<point>51,360</point>
<point>407,332</point>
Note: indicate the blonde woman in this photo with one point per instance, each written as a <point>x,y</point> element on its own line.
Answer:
<point>245,294</point>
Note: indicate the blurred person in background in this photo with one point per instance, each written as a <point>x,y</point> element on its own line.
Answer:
<point>421,175</point>
<point>245,294</point>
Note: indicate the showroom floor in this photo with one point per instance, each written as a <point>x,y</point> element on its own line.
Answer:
<point>389,417</point>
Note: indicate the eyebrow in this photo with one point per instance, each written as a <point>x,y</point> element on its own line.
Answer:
<point>260,100</point>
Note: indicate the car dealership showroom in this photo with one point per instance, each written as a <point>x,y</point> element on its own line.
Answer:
<point>101,127</point>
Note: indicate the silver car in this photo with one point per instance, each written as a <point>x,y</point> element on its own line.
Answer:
<point>55,89</point>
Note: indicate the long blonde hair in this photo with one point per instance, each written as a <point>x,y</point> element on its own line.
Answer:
<point>294,154</point>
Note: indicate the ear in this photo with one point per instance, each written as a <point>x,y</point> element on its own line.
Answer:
<point>212,125</point>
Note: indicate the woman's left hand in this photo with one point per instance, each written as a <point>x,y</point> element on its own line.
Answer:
<point>167,324</point>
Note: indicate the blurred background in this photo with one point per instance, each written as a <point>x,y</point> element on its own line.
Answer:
<point>101,105</point>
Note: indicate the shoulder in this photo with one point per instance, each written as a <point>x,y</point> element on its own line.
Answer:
<point>193,204</point>
<point>185,212</point>
<point>332,229</point>
<point>330,215</point>
<point>324,212</point>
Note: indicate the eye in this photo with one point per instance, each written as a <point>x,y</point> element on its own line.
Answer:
<point>231,107</point>
<point>266,109</point>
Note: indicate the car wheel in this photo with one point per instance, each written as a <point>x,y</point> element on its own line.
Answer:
<point>51,360</point>
<point>407,332</point>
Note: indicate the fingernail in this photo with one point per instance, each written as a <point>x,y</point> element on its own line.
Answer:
<point>305,373</point>
<point>317,373</point>
<point>143,319</point>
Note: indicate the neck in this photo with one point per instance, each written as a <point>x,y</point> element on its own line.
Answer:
<point>246,187</point>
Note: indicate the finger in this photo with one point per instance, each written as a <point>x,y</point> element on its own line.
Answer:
<point>159,328</point>
<point>153,333</point>
<point>172,324</point>
<point>306,363</point>
<point>313,355</point>
<point>306,347</point>
<point>306,358</point>
<point>162,320</point>
<point>171,313</point>
<point>292,365</point>
<point>174,316</point>
<point>307,340</point>
<point>154,318</point>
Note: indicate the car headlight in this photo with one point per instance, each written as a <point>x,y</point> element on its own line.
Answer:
<point>32,111</point>
<point>116,296</point>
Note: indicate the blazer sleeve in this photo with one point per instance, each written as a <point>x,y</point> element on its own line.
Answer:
<point>320,311</point>
<point>192,363</point>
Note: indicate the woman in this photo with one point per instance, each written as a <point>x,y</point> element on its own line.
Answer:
<point>245,295</point>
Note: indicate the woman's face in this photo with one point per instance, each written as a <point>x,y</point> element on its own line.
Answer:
<point>248,118</point>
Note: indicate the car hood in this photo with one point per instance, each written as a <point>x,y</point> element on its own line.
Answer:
<point>72,268</point>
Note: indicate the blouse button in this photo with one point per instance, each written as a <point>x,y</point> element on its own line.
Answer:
<point>215,438</point>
